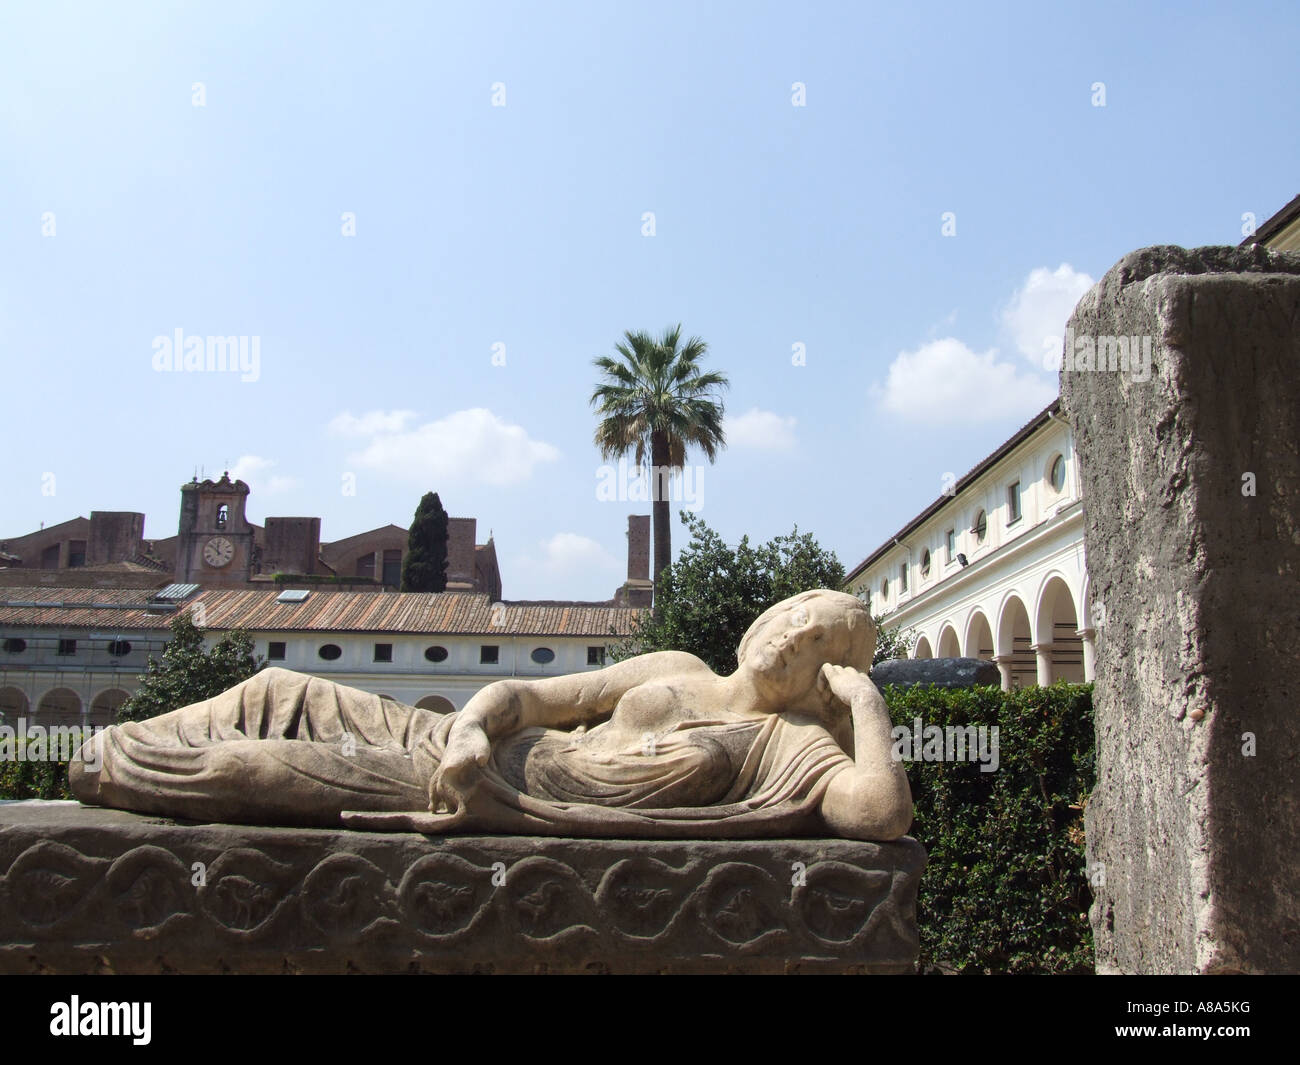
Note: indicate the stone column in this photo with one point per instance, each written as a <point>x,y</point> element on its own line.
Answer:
<point>1180,382</point>
<point>1086,638</point>
<point>1004,667</point>
<point>1043,652</point>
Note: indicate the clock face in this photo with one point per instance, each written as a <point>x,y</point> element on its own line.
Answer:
<point>218,552</point>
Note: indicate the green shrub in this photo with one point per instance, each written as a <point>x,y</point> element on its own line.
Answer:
<point>34,780</point>
<point>1004,890</point>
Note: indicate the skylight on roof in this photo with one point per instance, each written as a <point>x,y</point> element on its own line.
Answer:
<point>293,595</point>
<point>174,593</point>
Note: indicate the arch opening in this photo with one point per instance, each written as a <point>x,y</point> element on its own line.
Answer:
<point>1015,642</point>
<point>104,708</point>
<point>1058,625</point>
<point>949,646</point>
<point>979,637</point>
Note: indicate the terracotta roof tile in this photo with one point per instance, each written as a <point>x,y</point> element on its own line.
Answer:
<point>449,613</point>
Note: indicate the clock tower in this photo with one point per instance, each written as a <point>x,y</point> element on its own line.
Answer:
<point>214,544</point>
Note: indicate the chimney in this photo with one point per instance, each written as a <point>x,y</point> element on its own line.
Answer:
<point>638,547</point>
<point>460,553</point>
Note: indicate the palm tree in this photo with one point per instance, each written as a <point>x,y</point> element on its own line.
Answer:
<point>656,401</point>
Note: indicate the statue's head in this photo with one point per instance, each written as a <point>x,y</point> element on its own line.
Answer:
<point>790,642</point>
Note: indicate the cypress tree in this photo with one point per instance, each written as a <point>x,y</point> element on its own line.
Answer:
<point>425,567</point>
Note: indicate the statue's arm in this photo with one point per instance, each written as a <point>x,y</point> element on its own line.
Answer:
<point>868,798</point>
<point>507,706</point>
<point>565,702</point>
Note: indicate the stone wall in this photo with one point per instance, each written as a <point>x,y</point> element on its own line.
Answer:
<point>1191,487</point>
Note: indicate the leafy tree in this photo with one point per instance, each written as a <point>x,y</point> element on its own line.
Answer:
<point>893,642</point>
<point>655,401</point>
<point>187,673</point>
<point>425,566</point>
<point>713,593</point>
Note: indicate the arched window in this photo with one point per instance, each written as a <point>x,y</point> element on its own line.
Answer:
<point>925,562</point>
<point>223,516</point>
<point>981,527</point>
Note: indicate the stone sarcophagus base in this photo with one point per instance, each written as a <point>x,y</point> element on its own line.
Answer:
<point>93,890</point>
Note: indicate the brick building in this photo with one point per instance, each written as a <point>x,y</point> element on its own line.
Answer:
<point>218,547</point>
<point>86,603</point>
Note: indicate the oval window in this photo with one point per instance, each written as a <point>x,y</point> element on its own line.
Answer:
<point>119,648</point>
<point>884,588</point>
<point>330,651</point>
<point>1058,473</point>
<point>435,653</point>
<point>543,655</point>
<point>15,646</point>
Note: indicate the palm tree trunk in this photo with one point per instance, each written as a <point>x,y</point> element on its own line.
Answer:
<point>659,508</point>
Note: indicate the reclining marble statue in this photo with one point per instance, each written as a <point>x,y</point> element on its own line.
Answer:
<point>796,742</point>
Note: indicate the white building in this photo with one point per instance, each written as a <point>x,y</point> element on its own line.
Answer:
<point>73,655</point>
<point>995,569</point>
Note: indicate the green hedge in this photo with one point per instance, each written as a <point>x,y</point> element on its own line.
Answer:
<point>34,780</point>
<point>1004,890</point>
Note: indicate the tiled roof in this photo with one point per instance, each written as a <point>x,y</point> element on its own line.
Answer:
<point>448,613</point>
<point>107,608</point>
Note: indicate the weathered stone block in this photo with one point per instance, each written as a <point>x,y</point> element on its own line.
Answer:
<point>944,672</point>
<point>95,890</point>
<point>1191,484</point>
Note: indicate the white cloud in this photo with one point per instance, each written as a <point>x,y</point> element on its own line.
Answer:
<point>467,445</point>
<point>1036,315</point>
<point>371,423</point>
<point>944,381</point>
<point>566,566</point>
<point>254,470</point>
<point>568,553</point>
<point>762,430</point>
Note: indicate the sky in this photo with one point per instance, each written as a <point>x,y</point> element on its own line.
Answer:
<point>428,219</point>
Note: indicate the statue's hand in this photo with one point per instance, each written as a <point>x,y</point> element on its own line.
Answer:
<point>844,682</point>
<point>468,749</point>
